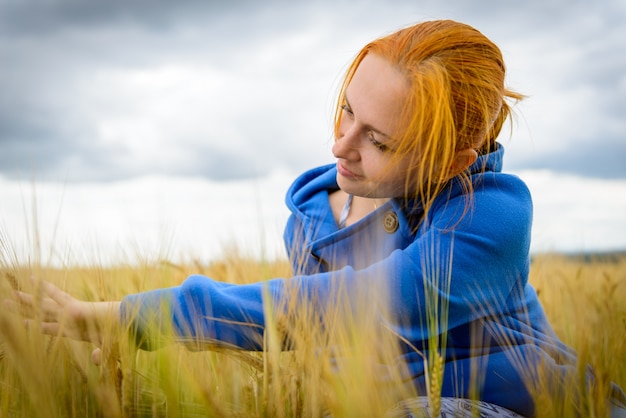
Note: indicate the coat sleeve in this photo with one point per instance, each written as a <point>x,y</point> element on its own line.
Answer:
<point>472,255</point>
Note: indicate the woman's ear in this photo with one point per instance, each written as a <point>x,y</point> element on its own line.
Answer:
<point>462,159</point>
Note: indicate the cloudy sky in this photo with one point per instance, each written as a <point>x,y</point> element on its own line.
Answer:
<point>167,120</point>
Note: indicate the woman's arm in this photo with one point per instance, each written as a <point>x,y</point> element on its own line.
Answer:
<point>473,263</point>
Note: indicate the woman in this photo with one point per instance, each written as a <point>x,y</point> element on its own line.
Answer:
<point>417,192</point>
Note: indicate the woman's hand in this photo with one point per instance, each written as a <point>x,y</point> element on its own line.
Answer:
<point>59,313</point>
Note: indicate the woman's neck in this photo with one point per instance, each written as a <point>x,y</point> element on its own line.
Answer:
<point>353,209</point>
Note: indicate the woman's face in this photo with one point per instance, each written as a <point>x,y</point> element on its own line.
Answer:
<point>370,115</point>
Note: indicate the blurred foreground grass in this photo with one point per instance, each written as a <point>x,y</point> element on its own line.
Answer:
<point>54,377</point>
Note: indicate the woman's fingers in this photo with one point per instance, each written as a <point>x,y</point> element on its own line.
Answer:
<point>96,356</point>
<point>50,328</point>
<point>56,294</point>
<point>56,325</point>
<point>27,305</point>
<point>48,303</point>
<point>20,303</point>
<point>25,299</point>
<point>56,312</point>
<point>11,305</point>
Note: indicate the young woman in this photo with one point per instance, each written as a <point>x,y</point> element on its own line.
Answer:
<point>416,192</point>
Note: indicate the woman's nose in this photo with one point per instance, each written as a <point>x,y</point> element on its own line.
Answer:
<point>347,145</point>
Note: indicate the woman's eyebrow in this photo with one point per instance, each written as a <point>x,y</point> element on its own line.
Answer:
<point>366,125</point>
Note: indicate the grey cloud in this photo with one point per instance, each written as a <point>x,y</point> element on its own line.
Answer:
<point>603,159</point>
<point>33,18</point>
<point>51,51</point>
<point>226,20</point>
<point>54,47</point>
<point>223,165</point>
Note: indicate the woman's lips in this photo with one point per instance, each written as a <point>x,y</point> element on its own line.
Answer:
<point>344,172</point>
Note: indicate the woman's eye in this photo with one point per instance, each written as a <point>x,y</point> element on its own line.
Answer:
<point>377,144</point>
<point>346,109</point>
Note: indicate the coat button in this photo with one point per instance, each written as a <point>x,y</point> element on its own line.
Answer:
<point>390,222</point>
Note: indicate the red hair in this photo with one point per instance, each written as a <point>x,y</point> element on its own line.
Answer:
<point>456,98</point>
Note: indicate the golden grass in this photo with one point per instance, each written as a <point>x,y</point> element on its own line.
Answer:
<point>585,302</point>
<point>54,377</point>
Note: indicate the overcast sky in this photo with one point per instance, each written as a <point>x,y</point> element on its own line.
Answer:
<point>119,90</point>
<point>109,90</point>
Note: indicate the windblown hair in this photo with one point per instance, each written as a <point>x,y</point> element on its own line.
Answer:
<point>456,99</point>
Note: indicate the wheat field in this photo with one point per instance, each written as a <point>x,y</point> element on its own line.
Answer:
<point>55,377</point>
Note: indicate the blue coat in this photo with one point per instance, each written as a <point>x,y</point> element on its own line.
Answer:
<point>473,254</point>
